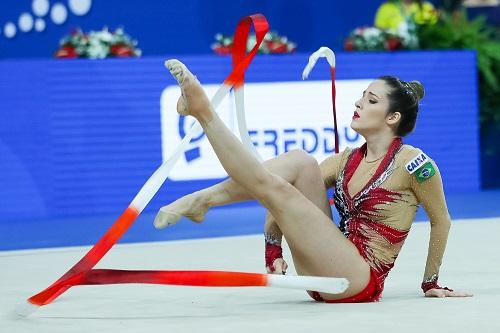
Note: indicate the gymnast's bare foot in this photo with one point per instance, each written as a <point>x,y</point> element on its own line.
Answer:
<point>193,100</point>
<point>194,206</point>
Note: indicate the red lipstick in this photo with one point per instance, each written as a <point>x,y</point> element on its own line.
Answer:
<point>356,115</point>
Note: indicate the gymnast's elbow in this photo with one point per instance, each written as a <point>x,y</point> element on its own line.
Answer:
<point>442,223</point>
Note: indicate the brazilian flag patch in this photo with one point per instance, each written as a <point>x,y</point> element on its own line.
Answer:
<point>425,172</point>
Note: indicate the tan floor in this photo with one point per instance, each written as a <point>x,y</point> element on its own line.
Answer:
<point>471,264</point>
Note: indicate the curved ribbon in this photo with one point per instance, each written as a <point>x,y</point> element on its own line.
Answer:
<point>236,78</point>
<point>325,52</point>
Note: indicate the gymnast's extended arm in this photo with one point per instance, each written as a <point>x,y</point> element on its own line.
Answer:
<point>430,193</point>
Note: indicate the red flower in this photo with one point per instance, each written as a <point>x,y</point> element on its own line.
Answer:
<point>120,50</point>
<point>276,47</point>
<point>222,50</point>
<point>67,51</point>
<point>348,45</point>
<point>392,44</point>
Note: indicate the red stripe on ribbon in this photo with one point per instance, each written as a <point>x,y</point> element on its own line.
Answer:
<point>334,96</point>
<point>335,129</point>
<point>180,278</point>
<point>91,259</point>
<point>82,271</point>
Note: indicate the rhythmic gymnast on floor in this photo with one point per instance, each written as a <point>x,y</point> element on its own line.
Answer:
<point>378,188</point>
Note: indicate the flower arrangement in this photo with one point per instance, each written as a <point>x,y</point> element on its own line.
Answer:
<point>97,45</point>
<point>273,43</point>
<point>375,39</point>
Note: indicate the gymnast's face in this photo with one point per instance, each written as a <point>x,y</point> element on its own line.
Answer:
<point>371,113</point>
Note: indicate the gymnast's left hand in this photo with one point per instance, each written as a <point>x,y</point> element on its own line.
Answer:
<point>441,293</point>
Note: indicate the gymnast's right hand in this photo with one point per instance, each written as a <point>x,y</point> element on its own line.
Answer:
<point>275,264</point>
<point>279,267</point>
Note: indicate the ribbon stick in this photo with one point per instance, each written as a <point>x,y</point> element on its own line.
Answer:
<point>325,52</point>
<point>122,224</point>
<point>209,279</point>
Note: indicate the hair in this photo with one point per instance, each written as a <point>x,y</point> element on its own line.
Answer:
<point>404,97</point>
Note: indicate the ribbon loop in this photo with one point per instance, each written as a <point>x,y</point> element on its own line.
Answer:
<point>241,60</point>
<point>322,52</point>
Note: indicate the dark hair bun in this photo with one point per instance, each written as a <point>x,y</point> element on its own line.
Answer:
<point>418,88</point>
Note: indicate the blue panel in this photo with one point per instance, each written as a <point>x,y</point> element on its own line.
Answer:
<point>24,141</point>
<point>79,138</point>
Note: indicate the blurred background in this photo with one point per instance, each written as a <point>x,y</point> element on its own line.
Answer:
<point>87,108</point>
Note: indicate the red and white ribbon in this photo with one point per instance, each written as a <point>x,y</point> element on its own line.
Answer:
<point>82,272</point>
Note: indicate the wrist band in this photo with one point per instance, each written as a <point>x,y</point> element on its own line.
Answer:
<point>431,283</point>
<point>272,239</point>
<point>273,250</point>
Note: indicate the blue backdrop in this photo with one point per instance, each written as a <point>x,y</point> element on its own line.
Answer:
<point>183,26</point>
<point>79,138</point>
<point>186,26</point>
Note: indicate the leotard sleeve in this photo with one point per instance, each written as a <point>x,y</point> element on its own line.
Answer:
<point>427,185</point>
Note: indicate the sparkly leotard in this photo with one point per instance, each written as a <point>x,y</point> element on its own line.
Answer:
<point>377,203</point>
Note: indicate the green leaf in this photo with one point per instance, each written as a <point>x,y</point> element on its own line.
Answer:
<point>458,32</point>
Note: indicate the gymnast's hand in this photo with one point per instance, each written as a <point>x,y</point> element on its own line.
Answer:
<point>279,267</point>
<point>441,293</point>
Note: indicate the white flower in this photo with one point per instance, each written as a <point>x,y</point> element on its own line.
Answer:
<point>372,32</point>
<point>251,42</point>
<point>97,50</point>
<point>103,35</point>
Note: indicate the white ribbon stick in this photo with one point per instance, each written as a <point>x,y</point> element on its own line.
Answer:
<point>323,52</point>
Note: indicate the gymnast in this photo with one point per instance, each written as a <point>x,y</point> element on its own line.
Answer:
<point>378,188</point>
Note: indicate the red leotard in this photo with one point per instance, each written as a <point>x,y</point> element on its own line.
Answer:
<point>377,202</point>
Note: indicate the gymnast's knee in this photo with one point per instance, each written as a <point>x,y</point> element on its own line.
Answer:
<point>303,159</point>
<point>305,163</point>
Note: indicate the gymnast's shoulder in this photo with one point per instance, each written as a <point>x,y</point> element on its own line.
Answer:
<point>411,157</point>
